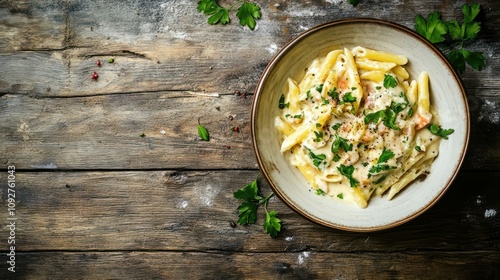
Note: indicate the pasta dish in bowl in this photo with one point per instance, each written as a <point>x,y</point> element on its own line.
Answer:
<point>357,132</point>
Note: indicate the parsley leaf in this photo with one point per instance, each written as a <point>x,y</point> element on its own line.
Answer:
<point>380,180</point>
<point>247,211</point>
<point>338,144</point>
<point>250,192</point>
<point>272,225</point>
<point>354,3</point>
<point>248,13</point>
<point>216,12</point>
<point>203,132</point>
<point>388,117</point>
<point>220,16</point>
<point>381,164</point>
<point>336,126</point>
<point>438,131</point>
<point>433,28</point>
<point>385,156</point>
<point>333,93</point>
<point>470,12</point>
<point>319,191</point>
<point>317,159</point>
<point>390,81</point>
<point>458,33</point>
<point>347,172</point>
<point>282,104</point>
<point>459,58</point>
<point>319,136</point>
<point>319,88</point>
<point>208,7</point>
<point>348,98</point>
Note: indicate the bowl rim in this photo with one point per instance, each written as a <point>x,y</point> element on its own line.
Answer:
<point>296,40</point>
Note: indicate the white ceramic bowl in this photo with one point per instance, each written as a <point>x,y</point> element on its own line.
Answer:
<point>447,95</point>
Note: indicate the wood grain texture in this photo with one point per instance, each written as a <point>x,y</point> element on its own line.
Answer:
<point>298,265</point>
<point>103,132</point>
<point>194,210</point>
<point>166,45</point>
<point>95,200</point>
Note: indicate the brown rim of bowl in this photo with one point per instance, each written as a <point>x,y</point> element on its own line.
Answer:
<point>285,49</point>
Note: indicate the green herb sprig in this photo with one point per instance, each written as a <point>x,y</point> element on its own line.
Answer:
<point>252,199</point>
<point>247,12</point>
<point>438,131</point>
<point>451,36</point>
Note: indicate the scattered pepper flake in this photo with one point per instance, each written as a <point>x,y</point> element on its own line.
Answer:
<point>98,63</point>
<point>235,129</point>
<point>94,76</point>
<point>228,147</point>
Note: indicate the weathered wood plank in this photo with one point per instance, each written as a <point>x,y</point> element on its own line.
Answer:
<point>192,211</point>
<point>87,133</point>
<point>165,46</point>
<point>102,132</point>
<point>32,25</point>
<point>299,265</point>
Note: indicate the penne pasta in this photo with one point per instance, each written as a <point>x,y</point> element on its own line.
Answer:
<point>379,55</point>
<point>375,65</point>
<point>353,125</point>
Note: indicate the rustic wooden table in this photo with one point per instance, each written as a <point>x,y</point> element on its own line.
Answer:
<point>113,182</point>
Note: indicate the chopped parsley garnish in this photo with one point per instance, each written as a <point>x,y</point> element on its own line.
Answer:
<point>418,149</point>
<point>319,191</point>
<point>336,126</point>
<point>381,164</point>
<point>333,93</point>
<point>390,81</point>
<point>340,195</point>
<point>338,144</point>
<point>380,180</point>
<point>401,106</point>
<point>324,101</point>
<point>385,156</point>
<point>282,104</point>
<point>348,98</point>
<point>347,172</point>
<point>389,114</point>
<point>319,88</point>
<point>317,159</point>
<point>319,136</point>
<point>437,130</point>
